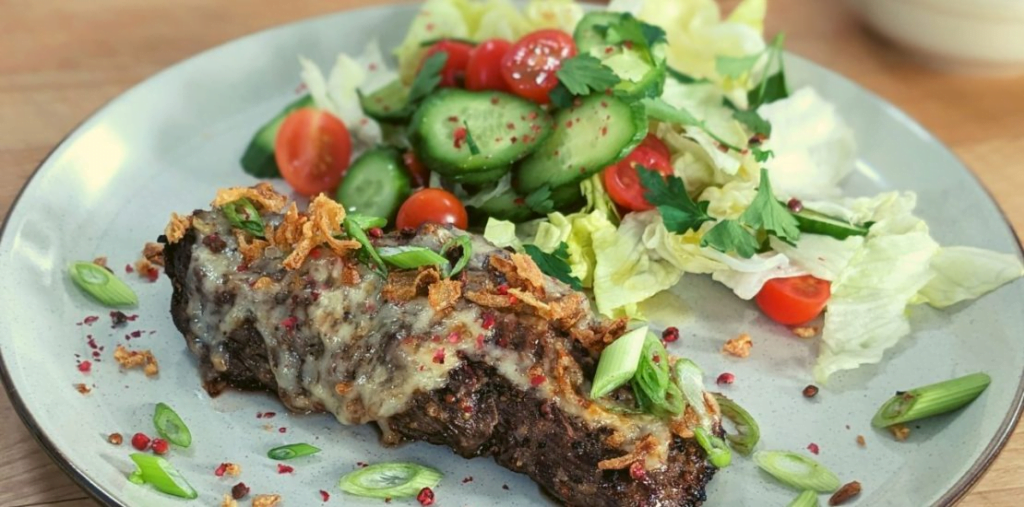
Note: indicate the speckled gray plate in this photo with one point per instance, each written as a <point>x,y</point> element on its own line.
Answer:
<point>169,143</point>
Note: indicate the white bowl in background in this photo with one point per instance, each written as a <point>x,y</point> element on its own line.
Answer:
<point>984,36</point>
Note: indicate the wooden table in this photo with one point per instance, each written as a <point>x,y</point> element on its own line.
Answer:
<point>60,60</point>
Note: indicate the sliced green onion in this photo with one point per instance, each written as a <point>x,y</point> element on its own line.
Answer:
<point>618,362</point>
<point>291,451</point>
<point>102,285</point>
<point>243,215</point>
<point>357,233</point>
<point>797,471</point>
<point>410,257</point>
<point>718,453</point>
<point>159,473</point>
<point>466,245</point>
<point>931,400</point>
<point>136,477</point>
<point>365,222</point>
<point>691,381</point>
<point>390,480</point>
<point>747,431</point>
<point>170,426</point>
<point>806,499</point>
<point>660,396</point>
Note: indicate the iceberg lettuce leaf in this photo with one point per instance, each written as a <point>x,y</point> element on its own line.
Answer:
<point>963,273</point>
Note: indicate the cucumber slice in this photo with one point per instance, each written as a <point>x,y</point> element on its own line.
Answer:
<point>567,198</point>
<point>258,159</point>
<point>812,222</point>
<point>376,184</point>
<point>388,104</point>
<point>505,206</point>
<point>504,129</point>
<point>650,84</point>
<point>603,130</point>
<point>586,34</point>
<point>481,177</point>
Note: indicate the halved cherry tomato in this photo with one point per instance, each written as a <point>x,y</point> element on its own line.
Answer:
<point>529,67</point>
<point>419,172</point>
<point>622,181</point>
<point>432,205</point>
<point>484,69</point>
<point>453,74</point>
<point>312,150</point>
<point>794,300</point>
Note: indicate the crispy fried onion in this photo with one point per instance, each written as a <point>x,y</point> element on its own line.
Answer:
<point>176,228</point>
<point>648,445</point>
<point>521,272</point>
<point>443,294</point>
<point>262,195</point>
<point>304,232</point>
<point>407,285</point>
<point>596,338</point>
<point>250,250</point>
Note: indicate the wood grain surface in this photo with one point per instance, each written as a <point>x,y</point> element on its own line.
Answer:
<point>60,60</point>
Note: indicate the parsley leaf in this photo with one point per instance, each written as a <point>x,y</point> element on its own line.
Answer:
<point>761,155</point>
<point>555,264</point>
<point>678,211</point>
<point>755,122</point>
<point>663,111</point>
<point>540,200</point>
<point>428,77</point>
<point>632,30</point>
<point>684,78</point>
<point>473,148</point>
<point>730,236</point>
<point>583,74</point>
<point>560,97</point>
<point>767,213</point>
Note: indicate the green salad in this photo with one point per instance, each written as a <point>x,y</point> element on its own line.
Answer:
<point>623,149</point>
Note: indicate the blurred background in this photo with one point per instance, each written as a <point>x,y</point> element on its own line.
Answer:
<point>953,65</point>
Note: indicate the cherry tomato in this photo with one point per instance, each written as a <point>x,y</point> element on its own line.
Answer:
<point>312,150</point>
<point>794,300</point>
<point>417,171</point>
<point>484,69</point>
<point>432,205</point>
<point>622,181</point>
<point>454,71</point>
<point>529,67</point>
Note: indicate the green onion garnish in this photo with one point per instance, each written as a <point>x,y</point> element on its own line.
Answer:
<point>747,431</point>
<point>291,451</point>
<point>691,381</point>
<point>806,499</point>
<point>718,453</point>
<point>410,257</point>
<point>389,480</point>
<point>136,477</point>
<point>797,471</point>
<point>159,473</point>
<point>655,391</point>
<point>170,426</point>
<point>618,362</point>
<point>365,222</point>
<point>931,400</point>
<point>102,285</point>
<point>243,215</point>
<point>357,233</point>
<point>466,245</point>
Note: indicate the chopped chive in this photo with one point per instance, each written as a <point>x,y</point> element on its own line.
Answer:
<point>797,471</point>
<point>286,452</point>
<point>102,285</point>
<point>806,499</point>
<point>170,426</point>
<point>160,474</point>
<point>931,400</point>
<point>389,480</point>
<point>718,453</point>
<point>466,245</point>
<point>473,148</point>
<point>747,431</point>
<point>409,257</point>
<point>618,362</point>
<point>366,222</point>
<point>243,215</point>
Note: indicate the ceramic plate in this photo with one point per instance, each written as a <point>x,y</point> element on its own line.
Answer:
<point>169,143</point>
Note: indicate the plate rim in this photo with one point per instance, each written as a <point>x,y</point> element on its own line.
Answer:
<point>958,490</point>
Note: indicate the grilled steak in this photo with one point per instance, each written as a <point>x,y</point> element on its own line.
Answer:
<point>495,362</point>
